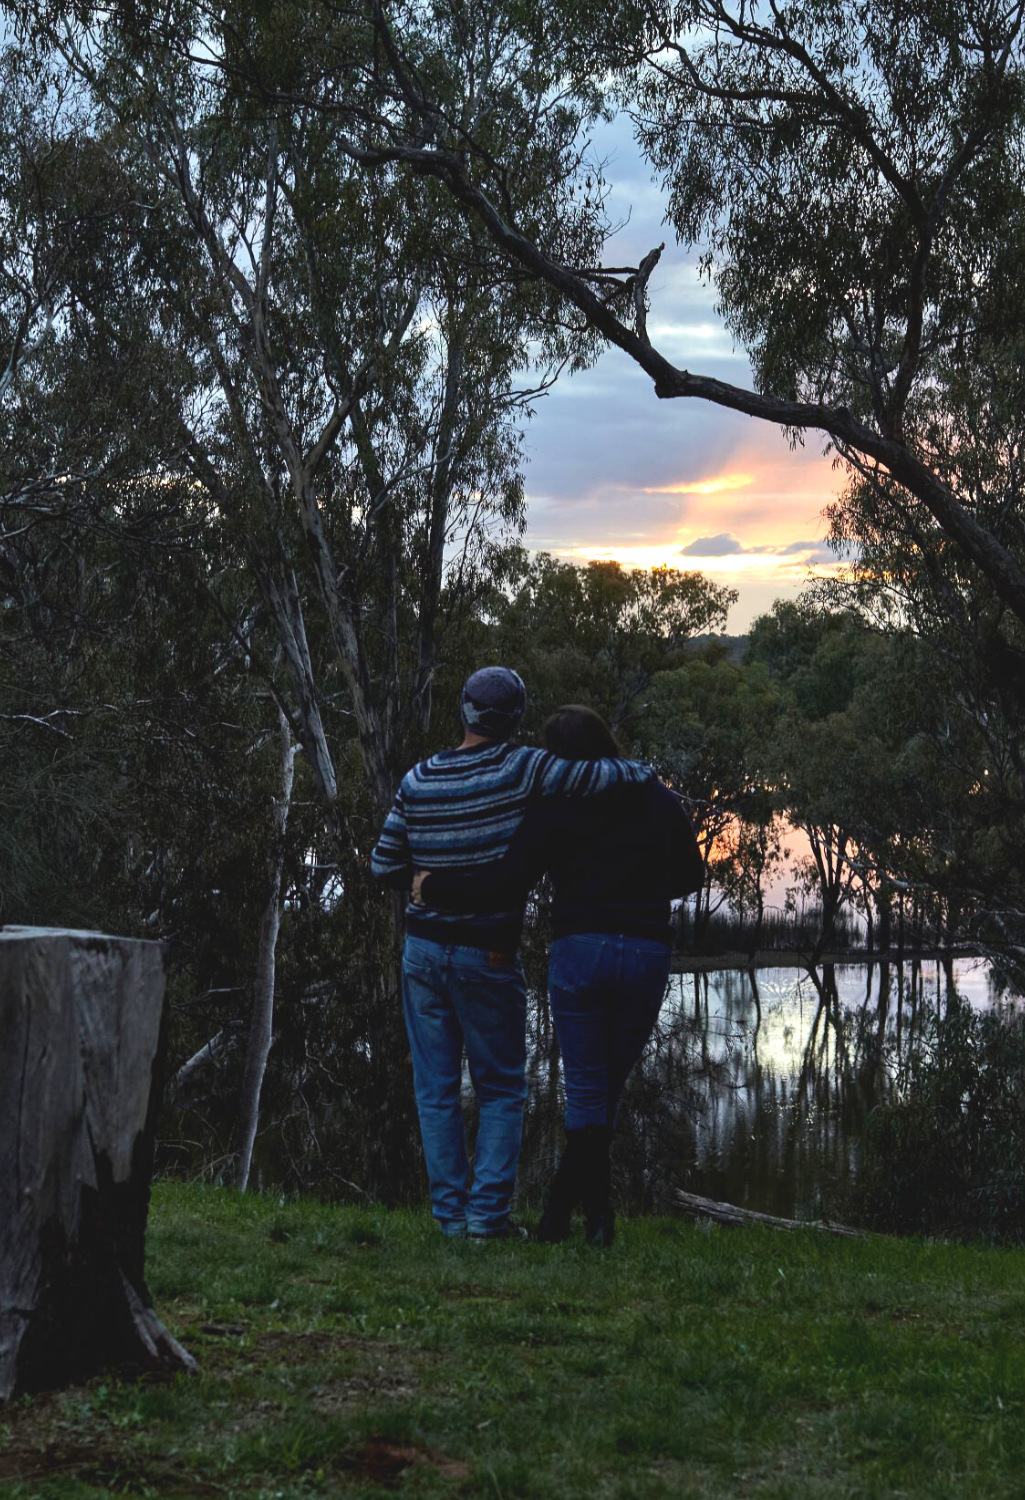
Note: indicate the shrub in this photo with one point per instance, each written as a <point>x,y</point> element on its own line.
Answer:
<point>943,1154</point>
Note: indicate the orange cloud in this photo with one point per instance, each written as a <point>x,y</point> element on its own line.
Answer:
<point>784,497</point>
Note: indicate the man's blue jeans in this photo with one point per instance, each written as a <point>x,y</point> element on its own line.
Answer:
<point>454,998</point>
<point>606,992</point>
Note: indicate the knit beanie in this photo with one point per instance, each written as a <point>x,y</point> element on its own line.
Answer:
<point>492,702</point>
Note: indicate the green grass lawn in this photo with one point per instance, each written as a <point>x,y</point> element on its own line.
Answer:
<point>357,1352</point>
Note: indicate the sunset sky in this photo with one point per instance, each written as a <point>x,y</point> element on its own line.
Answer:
<point>614,472</point>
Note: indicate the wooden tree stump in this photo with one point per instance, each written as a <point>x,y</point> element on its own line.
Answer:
<point>80,1026</point>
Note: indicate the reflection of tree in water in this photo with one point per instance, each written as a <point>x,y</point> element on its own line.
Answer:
<point>754,1087</point>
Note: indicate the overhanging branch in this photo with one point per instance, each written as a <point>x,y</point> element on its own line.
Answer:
<point>994,560</point>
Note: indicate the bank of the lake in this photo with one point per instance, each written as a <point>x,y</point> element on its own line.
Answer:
<point>355,1352</point>
<point>759,1082</point>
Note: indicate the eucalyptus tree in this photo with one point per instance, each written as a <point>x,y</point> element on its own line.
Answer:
<point>853,179</point>
<point>93,734</point>
<point>706,726</point>
<point>345,407</point>
<point>851,173</point>
<point>601,633</point>
<point>40,166</point>
<point>872,759</point>
<point>963,690</point>
<point>70,420</point>
<point>355,396</point>
<point>72,436</point>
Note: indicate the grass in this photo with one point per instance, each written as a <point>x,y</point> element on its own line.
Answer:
<point>356,1352</point>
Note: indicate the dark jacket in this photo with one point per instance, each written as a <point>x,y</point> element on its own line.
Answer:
<point>615,862</point>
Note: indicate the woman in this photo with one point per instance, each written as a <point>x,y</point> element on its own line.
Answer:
<point>615,861</point>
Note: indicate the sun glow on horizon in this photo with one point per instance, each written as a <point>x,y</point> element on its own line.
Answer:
<point>717,486</point>
<point>739,565</point>
<point>752,521</point>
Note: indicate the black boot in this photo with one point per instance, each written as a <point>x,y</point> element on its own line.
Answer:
<point>599,1220</point>
<point>563,1193</point>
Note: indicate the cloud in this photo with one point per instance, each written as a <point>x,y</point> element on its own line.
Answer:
<point>792,547</point>
<point>713,546</point>
<point>725,544</point>
<point>818,552</point>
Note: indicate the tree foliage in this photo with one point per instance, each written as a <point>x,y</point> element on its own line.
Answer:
<point>834,162</point>
<point>279,287</point>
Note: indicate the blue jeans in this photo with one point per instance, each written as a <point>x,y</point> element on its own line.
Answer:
<point>606,992</point>
<point>454,998</point>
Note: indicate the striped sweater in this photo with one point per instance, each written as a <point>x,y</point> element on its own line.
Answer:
<point>462,807</point>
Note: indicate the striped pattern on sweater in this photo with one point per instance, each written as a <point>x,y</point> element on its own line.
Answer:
<point>462,808</point>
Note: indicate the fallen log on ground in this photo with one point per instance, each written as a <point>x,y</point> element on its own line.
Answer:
<point>729,1215</point>
<point>80,1027</point>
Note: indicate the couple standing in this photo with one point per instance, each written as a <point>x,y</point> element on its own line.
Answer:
<point>473,829</point>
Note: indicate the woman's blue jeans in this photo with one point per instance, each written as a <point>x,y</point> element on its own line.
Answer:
<point>606,992</point>
<point>453,998</point>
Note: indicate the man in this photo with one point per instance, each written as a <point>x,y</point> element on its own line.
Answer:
<point>462,984</point>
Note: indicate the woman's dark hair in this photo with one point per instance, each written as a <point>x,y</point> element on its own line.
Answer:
<point>578,733</point>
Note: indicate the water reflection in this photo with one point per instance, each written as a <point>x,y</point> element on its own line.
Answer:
<point>756,1083</point>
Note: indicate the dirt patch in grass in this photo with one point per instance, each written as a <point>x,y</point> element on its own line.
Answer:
<point>387,1362</point>
<point>45,1463</point>
<point>376,1369</point>
<point>55,1437</point>
<point>384,1463</point>
<point>378,1461</point>
<point>218,1349</point>
<point>872,1310</point>
<point>104,1468</point>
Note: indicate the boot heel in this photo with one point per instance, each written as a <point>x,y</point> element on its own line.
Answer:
<point>563,1193</point>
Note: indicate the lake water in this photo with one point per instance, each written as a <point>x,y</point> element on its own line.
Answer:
<point>755,1085</point>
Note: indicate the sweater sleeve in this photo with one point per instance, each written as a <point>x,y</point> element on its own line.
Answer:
<point>556,777</point>
<point>391,861</point>
<point>500,886</point>
<point>682,865</point>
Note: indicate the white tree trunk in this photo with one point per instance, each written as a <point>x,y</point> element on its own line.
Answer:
<point>258,1044</point>
<point>212,1054</point>
<point>80,1028</point>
